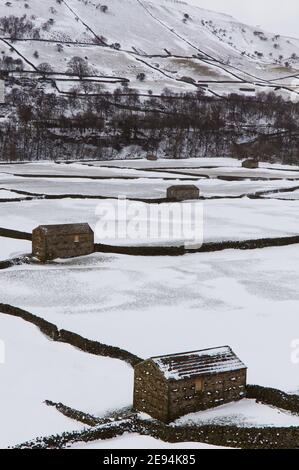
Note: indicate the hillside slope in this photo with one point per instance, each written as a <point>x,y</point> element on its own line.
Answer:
<point>170,43</point>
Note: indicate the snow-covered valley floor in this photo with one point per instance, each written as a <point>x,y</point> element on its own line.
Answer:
<point>149,306</point>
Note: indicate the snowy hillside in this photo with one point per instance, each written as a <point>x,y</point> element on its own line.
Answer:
<point>154,44</point>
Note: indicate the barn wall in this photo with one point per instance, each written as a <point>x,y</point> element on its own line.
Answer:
<point>38,245</point>
<point>252,164</point>
<point>150,391</point>
<point>63,246</point>
<point>181,194</point>
<point>218,389</point>
<point>51,246</point>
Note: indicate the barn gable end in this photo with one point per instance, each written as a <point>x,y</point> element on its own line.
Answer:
<point>150,390</point>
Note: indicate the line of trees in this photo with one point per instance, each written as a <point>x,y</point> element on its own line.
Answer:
<point>90,122</point>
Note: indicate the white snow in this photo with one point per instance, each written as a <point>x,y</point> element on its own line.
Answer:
<point>6,194</point>
<point>211,361</point>
<point>204,46</point>
<point>168,163</point>
<point>73,170</point>
<point>11,248</point>
<point>244,413</point>
<point>37,369</point>
<point>224,219</point>
<point>246,299</point>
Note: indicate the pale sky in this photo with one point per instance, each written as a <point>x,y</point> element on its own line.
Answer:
<point>277,16</point>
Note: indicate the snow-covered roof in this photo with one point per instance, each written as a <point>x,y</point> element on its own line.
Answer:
<point>197,363</point>
<point>63,229</point>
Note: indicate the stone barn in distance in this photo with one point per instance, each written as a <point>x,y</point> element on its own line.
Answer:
<point>151,157</point>
<point>250,163</point>
<point>183,192</point>
<point>167,387</point>
<point>62,241</point>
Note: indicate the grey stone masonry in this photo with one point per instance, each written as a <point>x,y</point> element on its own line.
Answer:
<point>62,241</point>
<point>183,192</point>
<point>250,163</point>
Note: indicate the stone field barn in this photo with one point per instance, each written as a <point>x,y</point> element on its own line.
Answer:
<point>250,163</point>
<point>183,192</point>
<point>167,387</point>
<point>62,241</point>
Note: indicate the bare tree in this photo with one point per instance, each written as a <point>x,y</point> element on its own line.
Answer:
<point>80,67</point>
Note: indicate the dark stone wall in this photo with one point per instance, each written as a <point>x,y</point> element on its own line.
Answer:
<point>49,329</point>
<point>64,336</point>
<point>8,233</point>
<point>273,397</point>
<point>227,436</point>
<point>150,391</point>
<point>96,348</point>
<point>205,248</point>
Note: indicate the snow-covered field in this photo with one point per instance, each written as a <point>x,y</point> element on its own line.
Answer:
<point>144,188</point>
<point>7,194</point>
<point>37,369</point>
<point>195,163</point>
<point>246,299</point>
<point>11,248</point>
<point>223,219</point>
<point>244,413</point>
<point>75,170</point>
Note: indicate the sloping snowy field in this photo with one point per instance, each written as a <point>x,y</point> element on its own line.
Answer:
<point>247,299</point>
<point>37,369</point>
<point>243,413</point>
<point>10,248</point>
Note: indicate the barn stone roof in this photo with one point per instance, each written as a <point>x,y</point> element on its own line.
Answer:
<point>196,363</point>
<point>65,229</point>
<point>183,187</point>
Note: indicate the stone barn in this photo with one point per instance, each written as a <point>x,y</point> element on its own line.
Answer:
<point>151,157</point>
<point>62,241</point>
<point>183,192</point>
<point>250,163</point>
<point>167,387</point>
